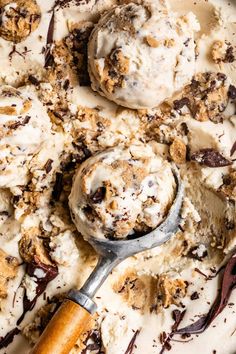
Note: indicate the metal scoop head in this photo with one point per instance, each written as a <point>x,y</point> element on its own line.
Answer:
<point>113,252</point>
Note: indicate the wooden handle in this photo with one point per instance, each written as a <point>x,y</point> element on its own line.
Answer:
<point>63,331</point>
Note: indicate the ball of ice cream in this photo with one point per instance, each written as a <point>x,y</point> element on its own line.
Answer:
<point>24,126</point>
<point>121,192</point>
<point>18,19</point>
<point>139,55</point>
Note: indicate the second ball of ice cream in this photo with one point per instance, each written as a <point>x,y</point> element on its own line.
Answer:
<point>139,55</point>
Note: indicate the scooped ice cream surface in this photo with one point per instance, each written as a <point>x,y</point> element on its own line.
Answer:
<point>120,192</point>
<point>139,55</point>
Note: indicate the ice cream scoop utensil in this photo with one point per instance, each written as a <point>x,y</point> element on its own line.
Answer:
<point>73,316</point>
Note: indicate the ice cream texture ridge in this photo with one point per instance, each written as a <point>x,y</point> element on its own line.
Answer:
<point>99,101</point>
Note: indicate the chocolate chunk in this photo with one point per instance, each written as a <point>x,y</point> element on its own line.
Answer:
<point>232,92</point>
<point>229,55</point>
<point>130,347</point>
<point>178,104</point>
<point>229,224</point>
<point>58,186</point>
<point>34,80</point>
<point>66,84</point>
<point>221,77</point>
<point>210,158</point>
<point>233,149</point>
<point>194,85</point>
<point>96,338</point>
<point>4,213</point>
<point>48,165</point>
<point>99,195</point>
<point>194,296</point>
<point>20,123</point>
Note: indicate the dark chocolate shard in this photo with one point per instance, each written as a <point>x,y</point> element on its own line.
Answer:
<point>229,55</point>
<point>48,165</point>
<point>33,80</point>
<point>232,92</point>
<point>96,345</point>
<point>20,123</point>
<point>177,317</point>
<point>178,104</point>
<point>227,286</point>
<point>233,149</point>
<point>48,55</point>
<point>194,296</point>
<point>58,186</point>
<point>130,347</point>
<point>98,195</point>
<point>210,158</point>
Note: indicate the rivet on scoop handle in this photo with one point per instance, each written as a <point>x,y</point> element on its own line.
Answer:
<point>64,329</point>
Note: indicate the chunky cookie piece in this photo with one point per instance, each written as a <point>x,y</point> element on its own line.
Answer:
<point>8,270</point>
<point>30,246</point>
<point>139,292</point>
<point>222,52</point>
<point>206,97</point>
<point>170,291</point>
<point>18,19</point>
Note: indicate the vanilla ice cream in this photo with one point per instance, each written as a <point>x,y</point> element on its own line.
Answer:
<point>121,192</point>
<point>60,138</point>
<point>24,127</point>
<point>139,55</point>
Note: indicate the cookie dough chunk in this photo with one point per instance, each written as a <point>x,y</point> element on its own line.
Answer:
<point>18,18</point>
<point>30,246</point>
<point>170,291</point>
<point>24,127</point>
<point>140,55</point>
<point>121,192</point>
<point>206,97</point>
<point>8,270</point>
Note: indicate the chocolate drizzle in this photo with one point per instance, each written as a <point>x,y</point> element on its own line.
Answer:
<point>130,348</point>
<point>49,273</point>
<point>228,285</point>
<point>8,339</point>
